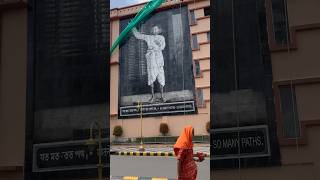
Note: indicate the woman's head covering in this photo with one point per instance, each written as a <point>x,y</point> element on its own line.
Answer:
<point>185,139</point>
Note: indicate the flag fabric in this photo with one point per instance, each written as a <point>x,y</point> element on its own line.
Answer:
<point>142,15</point>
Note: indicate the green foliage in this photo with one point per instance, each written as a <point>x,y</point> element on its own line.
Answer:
<point>164,128</point>
<point>117,131</point>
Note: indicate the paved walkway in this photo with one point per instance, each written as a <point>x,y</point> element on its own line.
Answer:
<point>148,166</point>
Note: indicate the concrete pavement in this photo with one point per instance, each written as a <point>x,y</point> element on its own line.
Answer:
<point>165,167</point>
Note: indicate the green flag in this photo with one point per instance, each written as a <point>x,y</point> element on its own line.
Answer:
<point>142,14</point>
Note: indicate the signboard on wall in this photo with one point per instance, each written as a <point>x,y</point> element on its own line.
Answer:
<point>71,155</point>
<point>67,156</point>
<point>242,142</point>
<point>156,66</point>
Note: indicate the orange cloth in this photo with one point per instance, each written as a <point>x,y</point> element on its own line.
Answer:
<point>185,139</point>
<point>183,150</point>
<point>188,169</point>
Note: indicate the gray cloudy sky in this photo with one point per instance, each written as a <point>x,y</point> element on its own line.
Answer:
<point>122,3</point>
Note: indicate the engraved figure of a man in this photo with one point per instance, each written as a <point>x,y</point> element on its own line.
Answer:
<point>155,63</point>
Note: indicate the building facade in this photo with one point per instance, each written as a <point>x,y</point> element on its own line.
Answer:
<point>293,33</point>
<point>197,27</point>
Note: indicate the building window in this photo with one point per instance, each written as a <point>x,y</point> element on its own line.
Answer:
<point>208,36</point>
<point>291,125</point>
<point>197,68</point>
<point>280,21</point>
<point>192,18</point>
<point>200,97</point>
<point>195,44</point>
<point>207,11</point>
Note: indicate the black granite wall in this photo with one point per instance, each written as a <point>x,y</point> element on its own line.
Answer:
<point>68,77</point>
<point>241,81</point>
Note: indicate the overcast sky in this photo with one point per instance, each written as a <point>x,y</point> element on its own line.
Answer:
<point>122,3</point>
